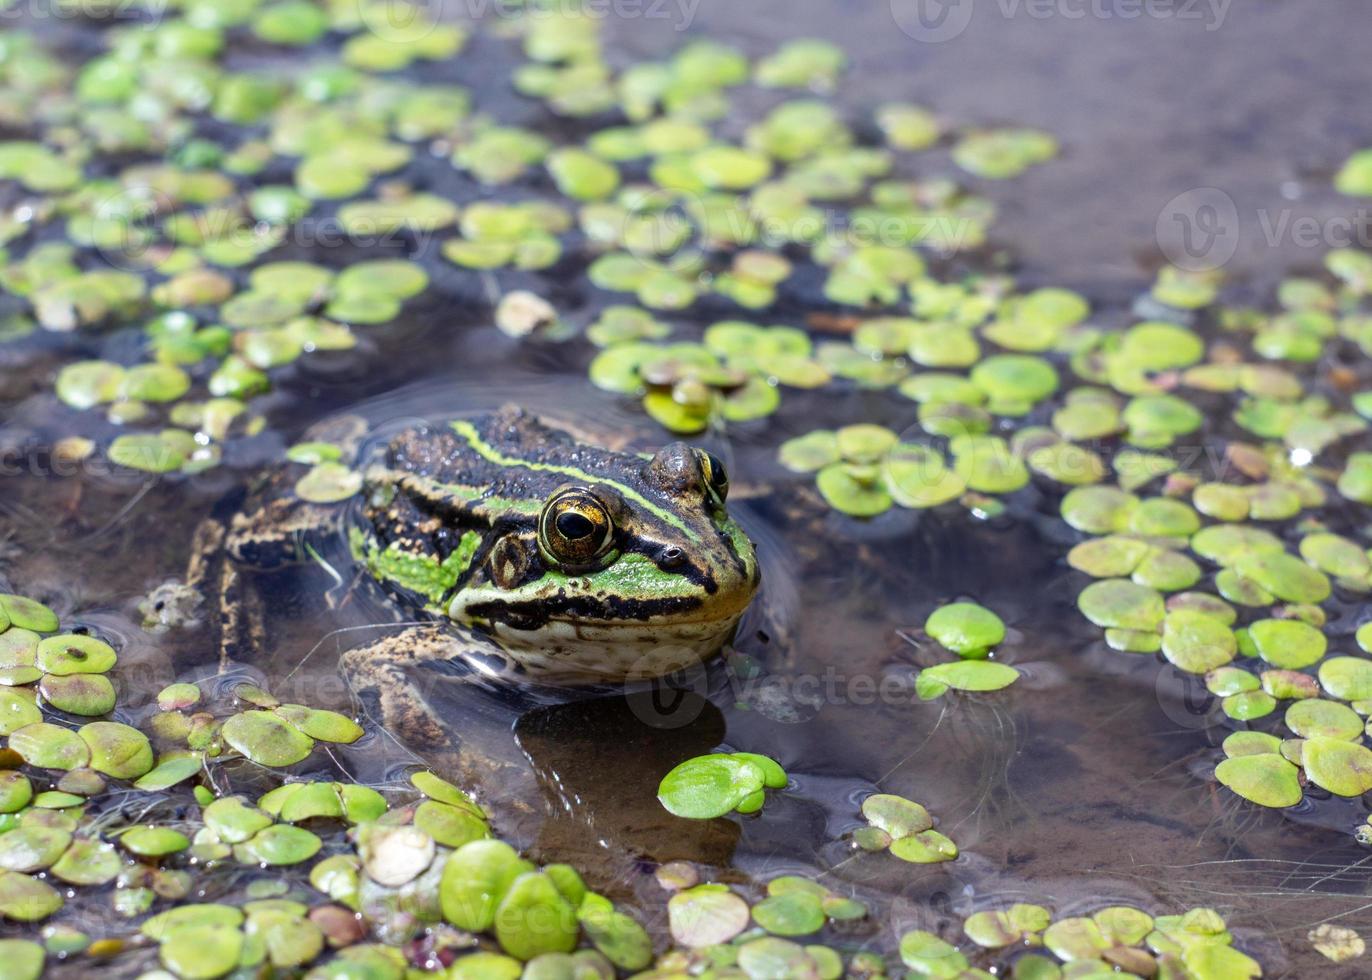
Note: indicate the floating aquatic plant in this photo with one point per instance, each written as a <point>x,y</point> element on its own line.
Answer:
<point>904,828</point>
<point>710,786</point>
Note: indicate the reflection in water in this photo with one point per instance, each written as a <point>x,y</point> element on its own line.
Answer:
<point>598,763</point>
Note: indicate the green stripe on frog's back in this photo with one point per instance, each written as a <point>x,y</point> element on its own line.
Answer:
<point>475,503</point>
<point>493,455</point>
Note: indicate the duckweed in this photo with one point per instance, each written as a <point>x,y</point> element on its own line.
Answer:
<point>966,628</point>
<point>710,786</point>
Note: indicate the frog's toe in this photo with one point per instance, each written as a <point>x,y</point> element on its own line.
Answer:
<point>383,676</point>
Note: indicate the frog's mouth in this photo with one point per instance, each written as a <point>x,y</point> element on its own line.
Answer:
<point>616,651</point>
<point>576,625</point>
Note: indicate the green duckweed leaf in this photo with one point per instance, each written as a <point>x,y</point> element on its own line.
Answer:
<point>967,675</point>
<point>1343,768</point>
<point>966,628</point>
<point>265,738</point>
<point>1197,643</point>
<point>1267,780</point>
<point>709,786</point>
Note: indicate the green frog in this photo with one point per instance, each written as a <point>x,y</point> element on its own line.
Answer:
<point>512,541</point>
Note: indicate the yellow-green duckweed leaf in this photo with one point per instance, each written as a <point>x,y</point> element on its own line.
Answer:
<point>169,771</point>
<point>1098,510</point>
<point>280,844</point>
<point>50,747</point>
<point>15,791</point>
<point>1221,501</point>
<point>27,614</point>
<point>1123,925</point>
<point>930,956</point>
<point>1287,643</point>
<point>87,695</point>
<point>619,938</point>
<point>117,750</point>
<point>1336,555</point>
<point>233,820</point>
<point>161,452</point>
<point>26,899</point>
<point>986,464</point>
<point>1229,544</point>
<point>896,815</point>
<point>74,653</point>
<point>1356,481</point>
<point>1015,379</point>
<point>449,825</point>
<point>265,738</point>
<point>533,918</point>
<point>810,452</point>
<point>1166,571</point>
<point>802,63</point>
<point>1355,176</point>
<point>1113,556</point>
<point>1000,154</point>
<point>1347,678</point>
<point>484,966</point>
<point>709,786</point>
<point>35,848</point>
<point>475,878</point>
<point>154,841</point>
<point>17,710</point>
<point>23,959</point>
<point>1076,938</point>
<point>792,913</point>
<point>1197,643</point>
<point>88,862</point>
<point>1120,604</point>
<point>925,847</point>
<point>1317,718</point>
<point>1265,779</point>
<point>202,952</point>
<point>854,489</point>
<point>907,127</point>
<point>966,675</point>
<point>1343,768</point>
<point>1285,576</point>
<point>1250,743</point>
<point>917,477</point>
<point>966,628</point>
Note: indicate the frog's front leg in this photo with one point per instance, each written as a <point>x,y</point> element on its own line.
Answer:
<point>400,678</point>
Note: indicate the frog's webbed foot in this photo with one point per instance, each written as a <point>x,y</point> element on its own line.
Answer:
<point>401,677</point>
<point>382,673</point>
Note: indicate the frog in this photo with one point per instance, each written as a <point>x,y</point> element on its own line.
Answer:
<point>517,548</point>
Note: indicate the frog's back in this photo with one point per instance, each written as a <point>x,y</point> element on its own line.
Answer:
<point>508,455</point>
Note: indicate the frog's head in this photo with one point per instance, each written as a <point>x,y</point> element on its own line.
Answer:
<point>633,572</point>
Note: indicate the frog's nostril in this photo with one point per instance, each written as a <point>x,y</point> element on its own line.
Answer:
<point>672,556</point>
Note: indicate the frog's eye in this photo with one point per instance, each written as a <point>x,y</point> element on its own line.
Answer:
<point>575,528</point>
<point>716,477</point>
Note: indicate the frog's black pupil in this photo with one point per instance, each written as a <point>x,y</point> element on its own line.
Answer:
<point>574,526</point>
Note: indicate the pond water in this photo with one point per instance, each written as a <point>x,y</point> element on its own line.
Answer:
<point>1087,782</point>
